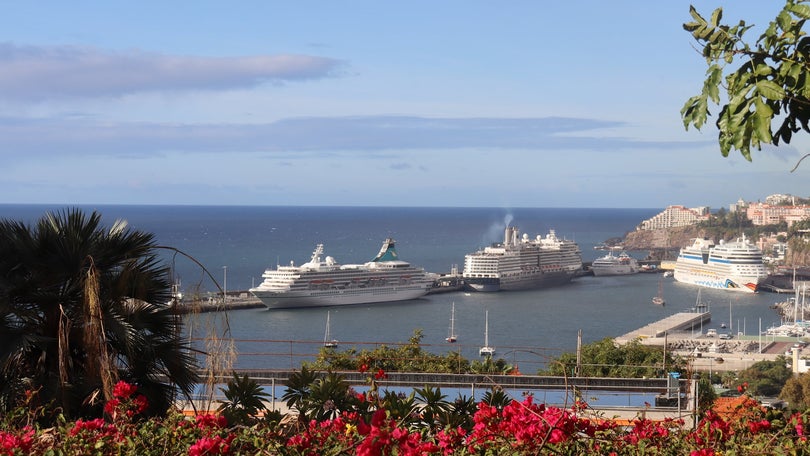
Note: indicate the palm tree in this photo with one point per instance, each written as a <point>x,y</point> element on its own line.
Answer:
<point>82,307</point>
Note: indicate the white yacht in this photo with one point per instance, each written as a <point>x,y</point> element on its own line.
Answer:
<point>735,265</point>
<point>522,263</point>
<point>324,282</point>
<point>611,264</point>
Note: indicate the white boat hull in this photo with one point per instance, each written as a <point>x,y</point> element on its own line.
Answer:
<point>292,300</point>
<point>712,280</point>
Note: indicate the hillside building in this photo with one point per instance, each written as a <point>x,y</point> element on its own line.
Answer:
<point>674,216</point>
<point>770,214</point>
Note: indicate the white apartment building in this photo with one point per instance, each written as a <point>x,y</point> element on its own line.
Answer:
<point>674,216</point>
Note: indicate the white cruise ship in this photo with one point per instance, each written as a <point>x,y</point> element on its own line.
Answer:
<point>611,264</point>
<point>733,265</point>
<point>521,263</point>
<point>324,282</point>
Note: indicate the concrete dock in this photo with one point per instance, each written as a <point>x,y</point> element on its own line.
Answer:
<point>679,322</point>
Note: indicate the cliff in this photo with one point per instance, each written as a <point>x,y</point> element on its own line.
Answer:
<point>669,239</point>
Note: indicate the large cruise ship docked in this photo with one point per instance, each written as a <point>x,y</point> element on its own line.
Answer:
<point>733,265</point>
<point>324,282</point>
<point>521,263</point>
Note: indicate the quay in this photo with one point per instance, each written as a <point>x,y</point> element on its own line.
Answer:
<point>674,398</point>
<point>474,381</point>
<point>679,322</point>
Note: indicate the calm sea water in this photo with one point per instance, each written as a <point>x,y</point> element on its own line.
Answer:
<point>237,243</point>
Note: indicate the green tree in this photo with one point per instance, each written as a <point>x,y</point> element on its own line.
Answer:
<point>766,82</point>
<point>82,306</point>
<point>706,394</point>
<point>606,358</point>
<point>797,392</point>
<point>765,378</point>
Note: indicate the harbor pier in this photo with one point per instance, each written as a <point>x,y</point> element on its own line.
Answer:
<point>679,322</point>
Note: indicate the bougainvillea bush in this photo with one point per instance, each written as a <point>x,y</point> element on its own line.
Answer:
<point>517,428</point>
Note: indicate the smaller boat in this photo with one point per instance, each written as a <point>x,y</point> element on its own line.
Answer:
<point>451,336</point>
<point>328,342</point>
<point>486,350</point>
<point>659,300</point>
<point>614,265</point>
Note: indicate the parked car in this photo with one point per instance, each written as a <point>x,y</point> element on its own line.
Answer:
<point>711,332</point>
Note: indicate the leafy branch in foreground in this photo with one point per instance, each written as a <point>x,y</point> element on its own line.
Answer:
<point>765,82</point>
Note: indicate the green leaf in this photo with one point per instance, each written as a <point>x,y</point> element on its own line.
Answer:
<point>762,120</point>
<point>762,69</point>
<point>770,90</point>
<point>784,20</point>
<point>803,11</point>
<point>717,15</point>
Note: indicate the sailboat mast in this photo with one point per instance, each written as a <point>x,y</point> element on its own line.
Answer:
<point>486,329</point>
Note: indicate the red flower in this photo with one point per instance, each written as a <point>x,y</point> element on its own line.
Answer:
<point>757,426</point>
<point>210,446</point>
<point>363,368</point>
<point>702,452</point>
<point>380,374</point>
<point>111,406</point>
<point>123,390</point>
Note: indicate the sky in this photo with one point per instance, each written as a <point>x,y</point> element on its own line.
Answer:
<point>367,103</point>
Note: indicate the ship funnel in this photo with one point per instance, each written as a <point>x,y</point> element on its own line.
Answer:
<point>510,236</point>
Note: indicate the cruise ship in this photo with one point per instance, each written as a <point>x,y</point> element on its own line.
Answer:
<point>735,265</point>
<point>611,264</point>
<point>521,263</point>
<point>324,282</point>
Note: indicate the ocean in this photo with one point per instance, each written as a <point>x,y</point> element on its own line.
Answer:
<point>236,244</point>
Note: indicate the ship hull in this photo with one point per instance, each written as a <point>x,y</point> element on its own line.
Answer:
<point>708,279</point>
<point>613,270</point>
<point>528,282</point>
<point>303,299</point>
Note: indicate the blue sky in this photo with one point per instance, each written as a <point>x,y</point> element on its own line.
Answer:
<point>419,103</point>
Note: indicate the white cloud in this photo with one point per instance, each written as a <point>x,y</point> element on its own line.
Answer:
<point>40,73</point>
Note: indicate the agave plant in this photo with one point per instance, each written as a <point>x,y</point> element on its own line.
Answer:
<point>497,398</point>
<point>245,400</point>
<point>299,388</point>
<point>432,404</point>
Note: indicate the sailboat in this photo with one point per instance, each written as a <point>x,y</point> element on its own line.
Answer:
<point>328,342</point>
<point>451,336</point>
<point>486,350</point>
<point>659,300</point>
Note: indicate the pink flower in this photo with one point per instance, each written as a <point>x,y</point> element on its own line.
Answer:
<point>211,420</point>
